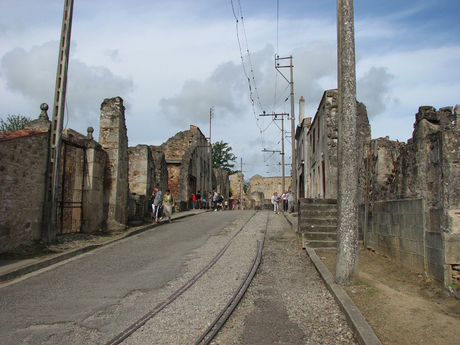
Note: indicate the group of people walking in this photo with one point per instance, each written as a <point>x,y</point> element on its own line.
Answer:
<point>209,201</point>
<point>286,200</point>
<point>162,205</point>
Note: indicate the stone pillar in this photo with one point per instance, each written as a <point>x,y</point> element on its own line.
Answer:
<point>347,198</point>
<point>93,187</point>
<point>114,140</point>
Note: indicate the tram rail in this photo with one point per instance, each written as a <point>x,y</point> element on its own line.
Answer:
<point>207,336</point>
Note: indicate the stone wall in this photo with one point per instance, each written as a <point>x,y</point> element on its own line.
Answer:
<point>141,181</point>
<point>23,164</point>
<point>397,230</point>
<point>161,170</point>
<point>188,160</point>
<point>237,186</point>
<point>221,184</point>
<point>114,140</point>
<point>267,186</point>
<point>93,188</point>
<point>425,168</point>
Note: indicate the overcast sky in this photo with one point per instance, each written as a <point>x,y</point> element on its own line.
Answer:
<point>171,61</point>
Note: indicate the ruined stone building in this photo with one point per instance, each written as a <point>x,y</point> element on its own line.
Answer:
<point>103,185</point>
<point>189,165</point>
<point>409,192</point>
<point>414,201</point>
<point>24,166</point>
<point>317,148</point>
<point>261,189</point>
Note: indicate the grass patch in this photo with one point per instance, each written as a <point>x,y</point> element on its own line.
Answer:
<point>371,290</point>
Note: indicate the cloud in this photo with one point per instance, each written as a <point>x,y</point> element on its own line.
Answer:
<point>32,74</point>
<point>226,89</point>
<point>374,90</point>
<point>113,54</point>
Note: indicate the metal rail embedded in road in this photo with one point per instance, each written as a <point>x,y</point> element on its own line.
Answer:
<point>220,320</point>
<point>143,320</point>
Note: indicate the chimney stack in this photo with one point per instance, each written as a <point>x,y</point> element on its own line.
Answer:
<point>301,109</point>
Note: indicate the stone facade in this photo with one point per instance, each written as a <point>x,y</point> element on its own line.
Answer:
<point>426,168</point>
<point>237,186</point>
<point>261,189</point>
<point>317,149</point>
<point>114,140</point>
<point>103,186</point>
<point>301,148</point>
<point>188,161</point>
<point>23,165</point>
<point>141,182</point>
<point>221,182</point>
<point>93,187</point>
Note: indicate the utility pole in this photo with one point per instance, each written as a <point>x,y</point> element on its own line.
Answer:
<point>347,193</point>
<point>211,115</point>
<point>294,157</point>
<point>49,235</point>
<point>282,142</point>
<point>241,183</point>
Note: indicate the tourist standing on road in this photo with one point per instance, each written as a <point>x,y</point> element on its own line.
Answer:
<point>193,200</point>
<point>168,204</point>
<point>214,199</point>
<point>219,201</point>
<point>204,200</point>
<point>275,202</point>
<point>285,200</point>
<point>152,201</point>
<point>291,200</point>
<point>157,204</point>
<point>198,199</point>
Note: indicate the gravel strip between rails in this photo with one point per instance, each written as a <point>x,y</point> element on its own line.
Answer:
<point>287,302</point>
<point>183,321</point>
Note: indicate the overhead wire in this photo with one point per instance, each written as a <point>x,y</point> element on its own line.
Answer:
<point>250,77</point>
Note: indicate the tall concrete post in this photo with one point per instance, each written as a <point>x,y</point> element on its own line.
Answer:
<point>52,199</point>
<point>294,158</point>
<point>347,198</point>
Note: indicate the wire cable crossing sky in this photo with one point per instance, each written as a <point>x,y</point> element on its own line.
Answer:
<point>171,61</point>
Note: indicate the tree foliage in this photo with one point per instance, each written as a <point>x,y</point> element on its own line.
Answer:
<point>13,123</point>
<point>246,186</point>
<point>222,157</point>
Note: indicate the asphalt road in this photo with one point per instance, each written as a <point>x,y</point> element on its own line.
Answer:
<point>93,293</point>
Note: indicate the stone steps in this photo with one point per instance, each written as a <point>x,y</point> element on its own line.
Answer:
<point>320,244</point>
<point>319,228</point>
<point>318,223</point>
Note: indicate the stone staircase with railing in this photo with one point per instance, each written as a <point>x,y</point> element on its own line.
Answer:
<point>318,223</point>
